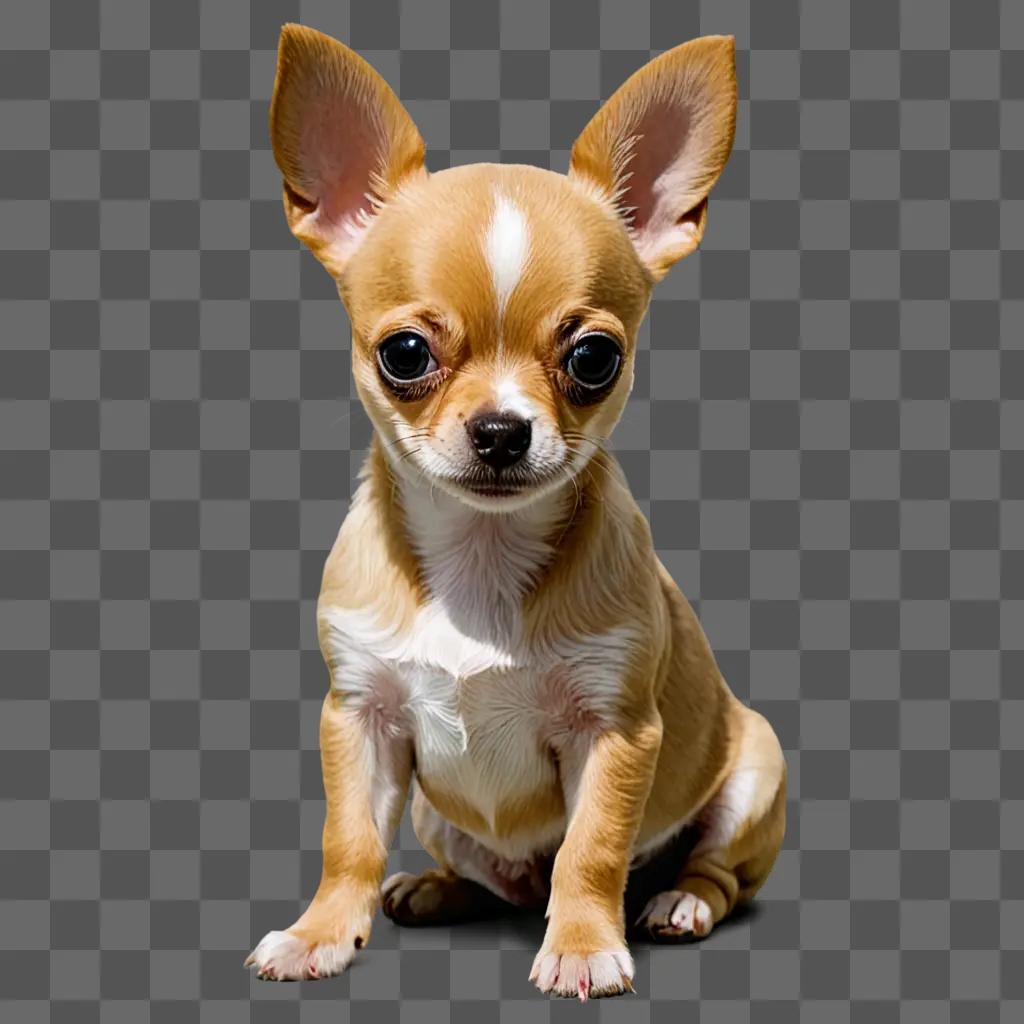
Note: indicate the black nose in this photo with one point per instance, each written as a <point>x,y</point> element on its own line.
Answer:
<point>500,440</point>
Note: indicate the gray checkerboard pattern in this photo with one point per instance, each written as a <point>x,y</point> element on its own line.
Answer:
<point>827,431</point>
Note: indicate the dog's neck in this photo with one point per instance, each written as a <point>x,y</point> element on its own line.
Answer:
<point>479,565</point>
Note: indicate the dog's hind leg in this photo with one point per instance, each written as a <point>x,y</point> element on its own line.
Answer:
<point>740,834</point>
<point>440,895</point>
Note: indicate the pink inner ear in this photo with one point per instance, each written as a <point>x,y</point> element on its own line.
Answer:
<point>663,131</point>
<point>340,154</point>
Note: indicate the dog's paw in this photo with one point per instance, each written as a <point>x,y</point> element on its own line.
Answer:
<point>577,975</point>
<point>435,897</point>
<point>284,956</point>
<point>411,899</point>
<point>676,915</point>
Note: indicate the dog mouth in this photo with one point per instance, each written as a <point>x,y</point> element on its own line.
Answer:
<point>500,487</point>
<point>494,490</point>
<point>486,487</point>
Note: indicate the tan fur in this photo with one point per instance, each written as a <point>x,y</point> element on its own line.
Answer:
<point>313,72</point>
<point>676,748</point>
<point>700,76</point>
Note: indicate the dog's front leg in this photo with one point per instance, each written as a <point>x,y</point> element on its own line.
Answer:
<point>366,780</point>
<point>607,781</point>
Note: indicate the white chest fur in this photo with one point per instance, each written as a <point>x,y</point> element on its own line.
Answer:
<point>485,720</point>
<point>484,710</point>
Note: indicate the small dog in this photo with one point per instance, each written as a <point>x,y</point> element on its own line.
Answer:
<point>500,635</point>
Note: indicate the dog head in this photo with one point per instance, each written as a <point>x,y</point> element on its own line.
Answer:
<point>495,308</point>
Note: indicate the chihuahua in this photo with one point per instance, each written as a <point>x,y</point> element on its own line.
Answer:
<point>500,635</point>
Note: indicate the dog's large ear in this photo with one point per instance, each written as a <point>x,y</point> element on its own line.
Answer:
<point>659,144</point>
<point>342,140</point>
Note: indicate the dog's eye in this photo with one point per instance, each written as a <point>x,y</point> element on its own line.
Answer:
<point>593,361</point>
<point>405,357</point>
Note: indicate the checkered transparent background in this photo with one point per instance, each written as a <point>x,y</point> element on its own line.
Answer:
<point>827,431</point>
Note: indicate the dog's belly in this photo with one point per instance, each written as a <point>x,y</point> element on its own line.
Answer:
<point>521,874</point>
<point>486,754</point>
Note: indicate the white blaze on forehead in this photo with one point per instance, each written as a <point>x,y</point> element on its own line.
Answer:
<point>508,242</point>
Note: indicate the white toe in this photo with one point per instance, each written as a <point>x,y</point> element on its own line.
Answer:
<point>282,956</point>
<point>603,973</point>
<point>659,909</point>
<point>677,913</point>
<point>392,884</point>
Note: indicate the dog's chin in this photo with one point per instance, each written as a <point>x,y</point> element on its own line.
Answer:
<point>479,488</point>
<point>497,495</point>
